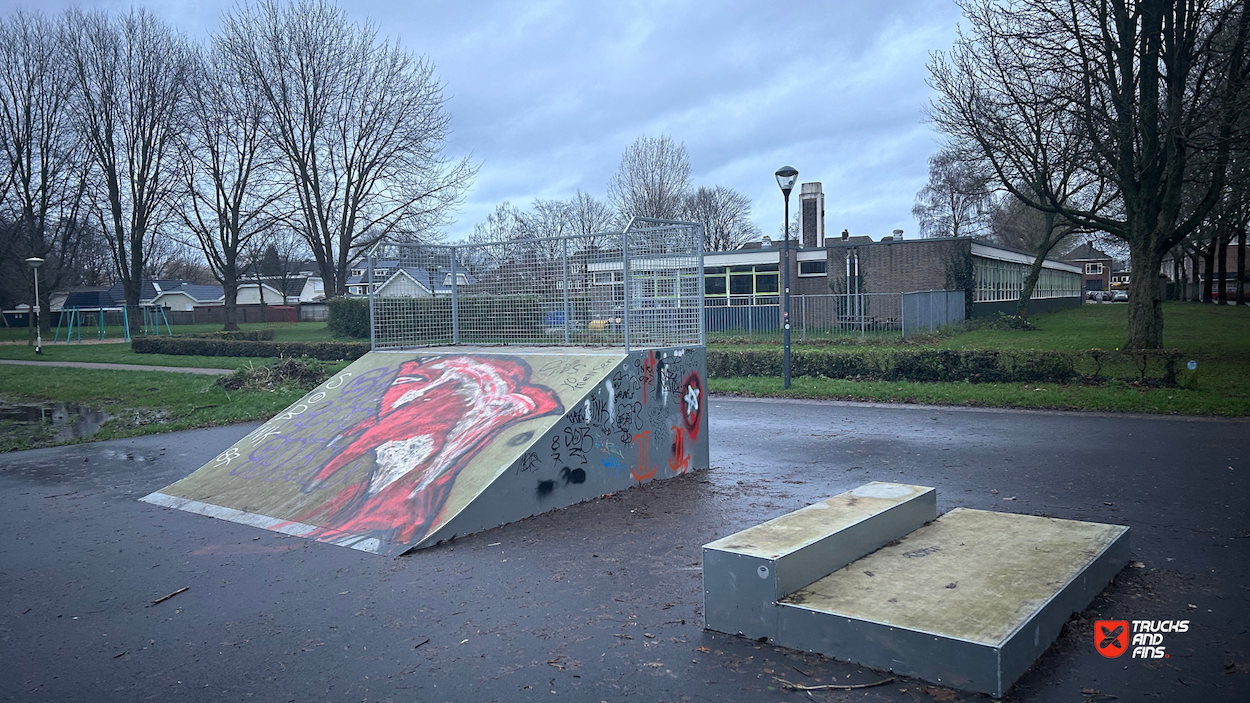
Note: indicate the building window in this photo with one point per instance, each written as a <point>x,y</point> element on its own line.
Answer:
<point>741,284</point>
<point>1095,269</point>
<point>813,268</point>
<point>998,281</point>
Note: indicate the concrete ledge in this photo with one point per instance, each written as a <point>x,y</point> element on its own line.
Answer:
<point>745,574</point>
<point>970,600</point>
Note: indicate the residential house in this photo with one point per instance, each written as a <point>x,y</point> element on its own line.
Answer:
<point>1096,267</point>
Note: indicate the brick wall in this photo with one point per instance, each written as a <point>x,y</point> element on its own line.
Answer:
<point>899,267</point>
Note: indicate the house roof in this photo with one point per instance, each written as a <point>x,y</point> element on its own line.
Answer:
<point>1085,252</point>
<point>92,298</point>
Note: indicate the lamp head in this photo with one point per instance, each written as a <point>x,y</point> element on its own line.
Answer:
<point>786,175</point>
<point>34,262</point>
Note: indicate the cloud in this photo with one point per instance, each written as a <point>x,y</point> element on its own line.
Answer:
<point>547,95</point>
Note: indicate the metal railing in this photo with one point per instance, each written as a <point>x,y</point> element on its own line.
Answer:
<point>832,316</point>
<point>637,289</point>
<point>829,316</point>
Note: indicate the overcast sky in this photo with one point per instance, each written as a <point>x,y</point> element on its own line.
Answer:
<point>546,95</point>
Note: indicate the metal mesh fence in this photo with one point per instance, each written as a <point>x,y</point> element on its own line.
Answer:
<point>814,316</point>
<point>640,288</point>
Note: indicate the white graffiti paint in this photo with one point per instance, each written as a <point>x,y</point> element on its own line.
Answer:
<point>338,380</point>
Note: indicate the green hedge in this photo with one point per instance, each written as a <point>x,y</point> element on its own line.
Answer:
<point>236,335</point>
<point>947,365</point>
<point>349,317</point>
<point>186,346</point>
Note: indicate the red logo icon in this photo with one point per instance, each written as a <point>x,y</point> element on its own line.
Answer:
<point>1111,637</point>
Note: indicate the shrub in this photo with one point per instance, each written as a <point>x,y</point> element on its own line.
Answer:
<point>237,335</point>
<point>186,346</point>
<point>349,317</point>
<point>942,365</point>
<point>304,372</point>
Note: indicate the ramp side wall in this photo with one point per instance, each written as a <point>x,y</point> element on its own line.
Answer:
<point>647,420</point>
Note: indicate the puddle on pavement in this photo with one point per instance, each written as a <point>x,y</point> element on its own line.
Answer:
<point>49,422</point>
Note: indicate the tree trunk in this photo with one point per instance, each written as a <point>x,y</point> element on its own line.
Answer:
<point>1208,267</point>
<point>1178,277</point>
<point>1195,295</point>
<point>230,301</point>
<point>1145,309</point>
<point>1241,267</point>
<point>1030,282</point>
<point>1222,266</point>
<point>134,316</point>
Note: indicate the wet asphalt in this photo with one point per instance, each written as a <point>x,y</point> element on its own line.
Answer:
<point>601,601</point>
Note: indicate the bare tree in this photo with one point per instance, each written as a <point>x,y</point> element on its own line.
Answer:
<point>954,203</point>
<point>227,170</point>
<point>653,179</point>
<point>1143,86</point>
<point>725,215</point>
<point>129,78</point>
<point>46,159</point>
<point>1017,224</point>
<point>590,216</point>
<point>360,124</point>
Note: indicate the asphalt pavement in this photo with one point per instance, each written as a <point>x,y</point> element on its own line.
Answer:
<point>602,601</point>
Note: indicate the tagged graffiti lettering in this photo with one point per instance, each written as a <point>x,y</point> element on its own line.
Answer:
<point>643,472</point>
<point>680,462</point>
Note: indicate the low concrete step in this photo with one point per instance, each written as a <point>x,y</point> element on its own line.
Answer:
<point>745,574</point>
<point>970,600</point>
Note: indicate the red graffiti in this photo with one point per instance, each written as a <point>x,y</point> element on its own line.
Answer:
<point>642,472</point>
<point>692,402</point>
<point>648,374</point>
<point>680,462</point>
<point>433,418</point>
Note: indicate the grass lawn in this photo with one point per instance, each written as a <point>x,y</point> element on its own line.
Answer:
<point>283,332</point>
<point>1217,337</point>
<point>119,352</point>
<point>141,402</point>
<point>144,402</point>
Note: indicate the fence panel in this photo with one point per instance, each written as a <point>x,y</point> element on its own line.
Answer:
<point>816,317</point>
<point>641,288</point>
<point>926,311</point>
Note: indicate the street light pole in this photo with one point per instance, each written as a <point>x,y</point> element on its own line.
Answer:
<point>35,262</point>
<point>786,175</point>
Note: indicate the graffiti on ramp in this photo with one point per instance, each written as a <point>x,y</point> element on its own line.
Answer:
<point>430,422</point>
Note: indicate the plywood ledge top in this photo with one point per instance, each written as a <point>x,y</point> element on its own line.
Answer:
<point>971,575</point>
<point>783,535</point>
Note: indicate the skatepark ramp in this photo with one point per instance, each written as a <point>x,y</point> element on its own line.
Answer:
<point>404,449</point>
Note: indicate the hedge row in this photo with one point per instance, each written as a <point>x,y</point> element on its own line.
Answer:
<point>349,317</point>
<point>186,346</point>
<point>946,365</point>
<point>235,335</point>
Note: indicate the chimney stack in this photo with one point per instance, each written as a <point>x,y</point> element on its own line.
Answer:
<point>811,215</point>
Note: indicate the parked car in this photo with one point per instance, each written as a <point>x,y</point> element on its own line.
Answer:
<point>1120,296</point>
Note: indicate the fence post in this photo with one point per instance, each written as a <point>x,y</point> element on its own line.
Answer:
<point>564,257</point>
<point>455,301</point>
<point>373,337</point>
<point>625,279</point>
<point>699,290</point>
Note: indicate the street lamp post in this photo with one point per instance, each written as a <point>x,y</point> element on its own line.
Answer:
<point>786,175</point>
<point>35,262</point>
